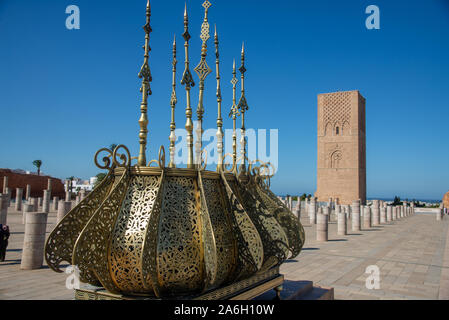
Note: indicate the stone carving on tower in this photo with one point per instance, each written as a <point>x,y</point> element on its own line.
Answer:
<point>341,167</point>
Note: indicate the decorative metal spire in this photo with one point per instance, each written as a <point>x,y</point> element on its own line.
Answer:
<point>187,81</point>
<point>145,75</point>
<point>243,107</point>
<point>173,101</point>
<point>202,70</point>
<point>234,114</point>
<point>219,118</point>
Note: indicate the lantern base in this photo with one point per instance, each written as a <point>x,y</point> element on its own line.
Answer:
<point>243,290</point>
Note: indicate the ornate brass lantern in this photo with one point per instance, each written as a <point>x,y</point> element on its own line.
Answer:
<point>148,229</point>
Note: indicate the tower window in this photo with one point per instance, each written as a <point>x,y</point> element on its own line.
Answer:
<point>337,131</point>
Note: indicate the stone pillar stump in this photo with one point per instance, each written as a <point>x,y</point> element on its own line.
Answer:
<point>34,240</point>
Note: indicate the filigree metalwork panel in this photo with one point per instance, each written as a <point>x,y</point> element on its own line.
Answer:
<point>125,256</point>
<point>225,240</point>
<point>179,247</point>
<point>250,247</point>
<point>208,239</point>
<point>274,239</point>
<point>149,248</point>
<point>61,241</point>
<point>92,247</point>
<point>286,219</point>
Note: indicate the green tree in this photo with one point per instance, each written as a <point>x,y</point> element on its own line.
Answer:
<point>100,178</point>
<point>303,197</point>
<point>38,164</point>
<point>397,201</point>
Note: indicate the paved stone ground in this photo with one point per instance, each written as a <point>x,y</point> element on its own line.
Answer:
<point>41,284</point>
<point>412,255</point>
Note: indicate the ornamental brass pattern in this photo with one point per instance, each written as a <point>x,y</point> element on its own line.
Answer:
<point>208,238</point>
<point>250,247</point>
<point>225,240</point>
<point>125,257</point>
<point>274,239</point>
<point>166,232</point>
<point>61,241</point>
<point>291,225</point>
<point>179,247</point>
<point>149,248</point>
<point>92,247</point>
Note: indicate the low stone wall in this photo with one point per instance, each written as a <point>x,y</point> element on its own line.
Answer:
<point>434,210</point>
<point>38,184</point>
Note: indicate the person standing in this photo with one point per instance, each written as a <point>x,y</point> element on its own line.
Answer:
<point>4,236</point>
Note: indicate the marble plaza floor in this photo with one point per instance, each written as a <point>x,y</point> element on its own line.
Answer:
<point>412,255</point>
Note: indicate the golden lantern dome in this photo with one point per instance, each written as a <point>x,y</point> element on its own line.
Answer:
<point>162,231</point>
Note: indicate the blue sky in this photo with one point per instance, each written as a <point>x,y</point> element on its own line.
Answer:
<point>66,93</point>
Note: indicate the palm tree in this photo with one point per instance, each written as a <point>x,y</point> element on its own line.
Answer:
<point>71,182</point>
<point>38,164</point>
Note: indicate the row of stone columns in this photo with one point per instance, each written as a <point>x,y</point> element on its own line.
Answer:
<point>375,215</point>
<point>35,222</point>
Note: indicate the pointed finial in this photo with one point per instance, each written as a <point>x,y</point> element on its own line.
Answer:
<point>215,26</point>
<point>243,47</point>
<point>145,89</point>
<point>185,10</point>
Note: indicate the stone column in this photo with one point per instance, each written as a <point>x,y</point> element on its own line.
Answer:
<point>49,185</point>
<point>290,203</point>
<point>28,192</point>
<point>19,194</point>
<point>322,226</point>
<point>412,207</point>
<point>389,215</point>
<point>8,193</point>
<point>68,196</point>
<point>35,203</point>
<point>383,215</point>
<point>297,211</point>
<point>63,208</point>
<point>39,201</point>
<point>330,203</point>
<point>55,203</point>
<point>367,217</point>
<point>3,208</point>
<point>82,195</point>
<point>312,211</point>
<point>356,215</point>
<point>34,240</point>
<point>440,214</point>
<point>5,184</point>
<point>46,201</point>
<point>348,211</point>
<point>338,209</point>
<point>342,225</point>
<point>26,208</point>
<point>376,213</point>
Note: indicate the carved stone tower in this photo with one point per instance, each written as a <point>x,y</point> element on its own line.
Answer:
<point>341,166</point>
